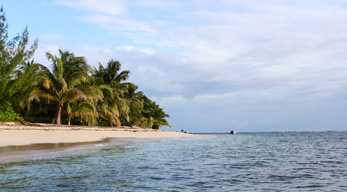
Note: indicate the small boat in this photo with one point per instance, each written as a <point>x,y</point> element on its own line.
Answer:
<point>232,132</point>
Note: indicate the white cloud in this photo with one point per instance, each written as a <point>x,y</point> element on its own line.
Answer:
<point>118,23</point>
<point>109,7</point>
<point>130,48</point>
<point>204,97</point>
<point>52,38</point>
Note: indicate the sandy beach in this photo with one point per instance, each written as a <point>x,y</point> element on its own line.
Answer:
<point>17,135</point>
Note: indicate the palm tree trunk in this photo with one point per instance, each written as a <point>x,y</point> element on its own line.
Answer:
<point>53,120</point>
<point>69,121</point>
<point>59,114</point>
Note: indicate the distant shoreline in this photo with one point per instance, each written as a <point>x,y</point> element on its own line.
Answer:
<point>17,135</point>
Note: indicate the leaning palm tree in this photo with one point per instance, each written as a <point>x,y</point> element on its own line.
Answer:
<point>158,116</point>
<point>153,116</point>
<point>61,85</point>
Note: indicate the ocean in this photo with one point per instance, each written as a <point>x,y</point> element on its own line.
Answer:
<point>279,161</point>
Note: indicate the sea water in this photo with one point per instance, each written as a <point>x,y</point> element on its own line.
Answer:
<point>287,161</point>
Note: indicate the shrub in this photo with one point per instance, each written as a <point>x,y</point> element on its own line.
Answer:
<point>7,113</point>
<point>103,124</point>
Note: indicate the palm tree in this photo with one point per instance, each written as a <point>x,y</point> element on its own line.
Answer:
<point>28,75</point>
<point>111,75</point>
<point>159,116</point>
<point>85,110</point>
<point>153,115</point>
<point>61,85</point>
<point>136,104</point>
<point>114,104</point>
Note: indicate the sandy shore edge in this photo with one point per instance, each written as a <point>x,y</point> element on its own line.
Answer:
<point>16,135</point>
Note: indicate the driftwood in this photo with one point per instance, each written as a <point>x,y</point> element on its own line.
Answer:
<point>27,123</point>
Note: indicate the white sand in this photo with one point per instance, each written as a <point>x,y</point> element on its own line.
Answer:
<point>25,135</point>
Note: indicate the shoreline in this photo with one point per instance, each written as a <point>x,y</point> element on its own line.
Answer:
<point>19,135</point>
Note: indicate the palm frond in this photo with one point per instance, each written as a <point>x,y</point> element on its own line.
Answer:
<point>41,94</point>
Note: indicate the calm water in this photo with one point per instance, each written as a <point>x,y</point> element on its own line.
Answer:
<point>307,161</point>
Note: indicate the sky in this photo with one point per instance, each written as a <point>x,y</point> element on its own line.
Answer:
<point>213,66</point>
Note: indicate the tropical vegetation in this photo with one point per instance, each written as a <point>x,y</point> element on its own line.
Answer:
<point>69,91</point>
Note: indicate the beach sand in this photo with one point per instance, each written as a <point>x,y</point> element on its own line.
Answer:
<point>17,135</point>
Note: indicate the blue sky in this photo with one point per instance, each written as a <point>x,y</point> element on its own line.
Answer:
<point>272,65</point>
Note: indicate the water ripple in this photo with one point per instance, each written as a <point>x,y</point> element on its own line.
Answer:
<point>306,161</point>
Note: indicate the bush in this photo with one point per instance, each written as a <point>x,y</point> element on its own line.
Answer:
<point>7,113</point>
<point>103,123</point>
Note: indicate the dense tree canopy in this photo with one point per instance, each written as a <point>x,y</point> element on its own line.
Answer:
<point>69,91</point>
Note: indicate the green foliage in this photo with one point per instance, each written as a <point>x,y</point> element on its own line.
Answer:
<point>15,82</point>
<point>103,124</point>
<point>61,85</point>
<point>112,83</point>
<point>7,113</point>
<point>152,116</point>
<point>155,114</point>
<point>38,119</point>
